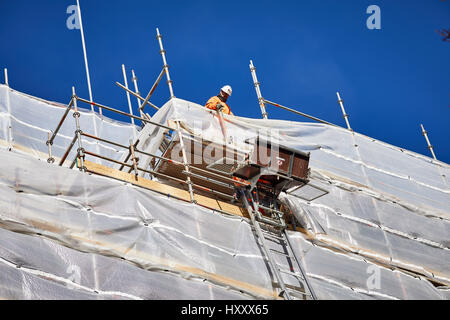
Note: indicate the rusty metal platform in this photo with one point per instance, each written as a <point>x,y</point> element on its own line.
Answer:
<point>216,161</point>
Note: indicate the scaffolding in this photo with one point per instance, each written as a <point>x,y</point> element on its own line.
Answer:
<point>255,192</point>
<point>191,172</point>
<point>430,147</point>
<point>220,181</point>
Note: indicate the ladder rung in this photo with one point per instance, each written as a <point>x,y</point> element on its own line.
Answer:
<point>273,234</point>
<point>275,223</point>
<point>270,209</point>
<point>299,276</point>
<point>275,237</point>
<point>298,292</point>
<point>282,253</point>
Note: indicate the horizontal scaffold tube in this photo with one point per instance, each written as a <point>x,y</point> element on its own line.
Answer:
<point>163,159</point>
<point>123,113</point>
<point>300,113</point>
<point>137,96</point>
<point>157,173</point>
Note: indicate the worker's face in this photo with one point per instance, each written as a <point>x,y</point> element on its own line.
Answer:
<point>224,95</point>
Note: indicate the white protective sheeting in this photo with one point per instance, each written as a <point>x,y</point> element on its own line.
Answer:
<point>201,250</point>
<point>386,203</point>
<point>31,119</point>
<point>66,234</point>
<point>410,177</point>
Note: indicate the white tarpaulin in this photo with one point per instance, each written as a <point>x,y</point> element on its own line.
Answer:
<point>382,231</point>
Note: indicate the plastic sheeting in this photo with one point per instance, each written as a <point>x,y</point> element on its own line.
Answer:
<point>385,202</point>
<point>351,276</point>
<point>66,234</point>
<point>105,217</point>
<point>26,121</point>
<point>413,178</point>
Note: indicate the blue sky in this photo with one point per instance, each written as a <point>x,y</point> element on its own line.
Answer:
<point>391,79</point>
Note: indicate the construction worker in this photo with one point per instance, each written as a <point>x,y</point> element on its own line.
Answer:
<point>219,102</point>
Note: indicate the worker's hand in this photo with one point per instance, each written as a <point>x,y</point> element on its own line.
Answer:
<point>219,106</point>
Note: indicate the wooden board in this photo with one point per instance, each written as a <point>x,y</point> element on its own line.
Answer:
<point>181,194</point>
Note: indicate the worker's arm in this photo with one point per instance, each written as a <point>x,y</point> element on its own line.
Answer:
<point>212,103</point>
<point>219,106</point>
<point>224,108</point>
<point>215,104</point>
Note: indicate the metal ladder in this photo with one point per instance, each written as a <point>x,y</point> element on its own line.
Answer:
<point>275,230</point>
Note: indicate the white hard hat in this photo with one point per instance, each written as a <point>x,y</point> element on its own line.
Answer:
<point>227,89</point>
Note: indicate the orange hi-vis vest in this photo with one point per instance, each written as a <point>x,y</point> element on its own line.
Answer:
<point>212,104</point>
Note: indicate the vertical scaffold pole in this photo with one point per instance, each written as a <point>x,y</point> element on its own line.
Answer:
<point>49,144</point>
<point>76,115</point>
<point>134,160</point>
<point>134,79</point>
<point>186,166</point>
<point>166,66</point>
<point>8,105</point>
<point>424,132</point>
<point>258,91</point>
<point>85,57</point>
<point>341,103</point>
<point>128,99</point>
<point>6,78</point>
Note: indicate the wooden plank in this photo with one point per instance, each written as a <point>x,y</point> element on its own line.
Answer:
<point>211,203</point>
